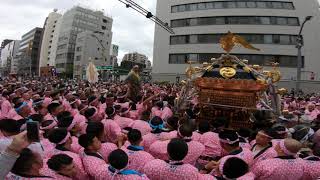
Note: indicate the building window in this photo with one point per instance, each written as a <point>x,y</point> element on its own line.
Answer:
<point>252,38</point>
<point>258,20</point>
<point>262,5</point>
<point>78,58</point>
<point>232,4</point>
<point>263,60</point>
<point>78,49</point>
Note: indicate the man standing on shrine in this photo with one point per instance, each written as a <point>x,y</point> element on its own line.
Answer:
<point>134,83</point>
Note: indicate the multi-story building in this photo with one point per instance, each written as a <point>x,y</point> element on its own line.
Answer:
<point>271,26</point>
<point>8,52</point>
<point>91,46</point>
<point>29,52</point>
<point>114,52</point>
<point>49,40</point>
<point>131,59</point>
<point>73,22</point>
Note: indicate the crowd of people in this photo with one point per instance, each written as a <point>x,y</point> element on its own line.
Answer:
<point>100,131</point>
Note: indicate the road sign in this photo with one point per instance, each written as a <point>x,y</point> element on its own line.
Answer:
<point>104,67</point>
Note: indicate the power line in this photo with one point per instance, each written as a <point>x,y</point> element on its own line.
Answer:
<point>147,14</point>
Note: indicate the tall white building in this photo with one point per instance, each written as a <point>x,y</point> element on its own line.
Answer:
<point>50,39</point>
<point>272,26</point>
<point>75,21</point>
<point>94,46</point>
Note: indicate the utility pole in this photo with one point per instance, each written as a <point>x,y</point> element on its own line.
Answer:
<point>299,47</point>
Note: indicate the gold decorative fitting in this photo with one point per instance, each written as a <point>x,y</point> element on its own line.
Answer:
<point>282,91</point>
<point>246,69</point>
<point>227,72</point>
<point>228,42</point>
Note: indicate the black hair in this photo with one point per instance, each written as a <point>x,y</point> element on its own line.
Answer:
<point>177,149</point>
<point>45,124</point>
<point>37,104</point>
<point>220,122</point>
<point>18,105</point>
<point>110,111</point>
<point>300,132</point>
<point>102,99</point>
<point>244,132</point>
<point>186,130</point>
<point>277,129</point>
<point>234,168</point>
<point>133,106</point>
<point>65,122</point>
<point>57,135</point>
<point>155,121</point>
<point>85,140</point>
<point>15,100</point>
<point>173,122</point>
<point>95,128</point>
<point>52,107</point>
<point>269,131</point>
<point>159,104</point>
<point>91,99</point>
<point>134,136</point>
<point>89,112</point>
<point>204,126</point>
<point>56,162</point>
<point>118,159</point>
<point>63,115</point>
<point>10,126</point>
<point>36,117</point>
<point>24,162</point>
<point>190,114</point>
<point>230,135</point>
<point>145,115</point>
<point>54,93</point>
<point>139,97</point>
<point>117,108</point>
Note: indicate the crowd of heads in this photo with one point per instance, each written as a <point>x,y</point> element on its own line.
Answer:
<point>99,121</point>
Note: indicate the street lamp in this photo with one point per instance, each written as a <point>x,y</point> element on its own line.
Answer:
<point>299,47</point>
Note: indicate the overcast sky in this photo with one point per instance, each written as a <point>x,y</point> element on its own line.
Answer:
<point>131,31</point>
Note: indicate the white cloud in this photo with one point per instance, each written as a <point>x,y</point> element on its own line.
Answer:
<point>131,31</point>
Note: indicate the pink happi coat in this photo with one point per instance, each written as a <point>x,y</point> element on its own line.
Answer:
<point>123,122</point>
<point>5,106</point>
<point>105,174</point>
<point>311,169</point>
<point>45,170</point>
<point>150,138</point>
<point>159,150</point>
<point>174,134</point>
<point>279,169</point>
<point>137,159</point>
<point>211,142</point>
<point>155,111</point>
<point>267,153</point>
<point>47,101</point>
<point>166,113</point>
<point>93,165</point>
<point>11,114</point>
<point>111,130</point>
<point>142,126</point>
<point>160,170</point>
<point>81,173</point>
<point>75,146</point>
<point>106,149</point>
<point>48,116</point>
<point>12,176</point>
<point>48,147</point>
